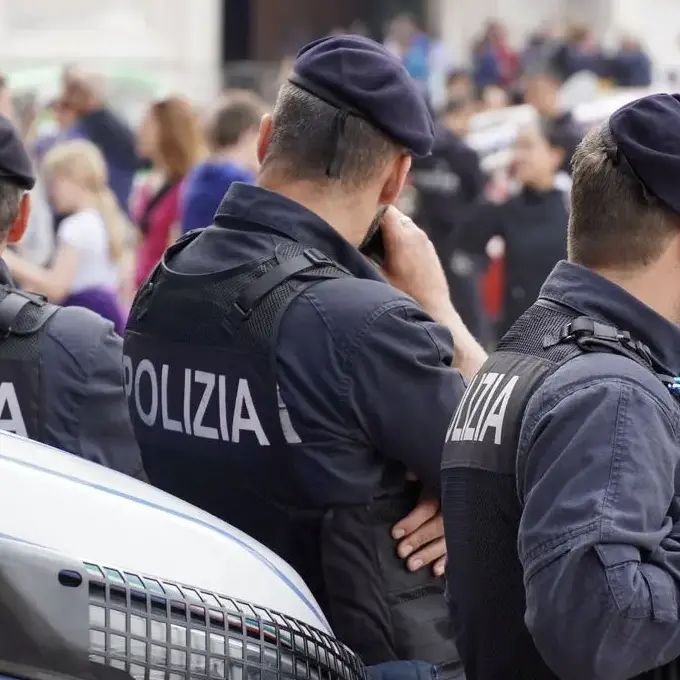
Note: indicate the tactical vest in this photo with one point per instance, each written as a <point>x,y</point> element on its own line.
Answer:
<point>204,402</point>
<point>488,609</point>
<point>22,322</point>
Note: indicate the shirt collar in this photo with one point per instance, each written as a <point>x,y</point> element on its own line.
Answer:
<point>593,295</point>
<point>266,208</point>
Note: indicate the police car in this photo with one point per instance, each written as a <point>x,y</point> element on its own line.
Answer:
<point>101,574</point>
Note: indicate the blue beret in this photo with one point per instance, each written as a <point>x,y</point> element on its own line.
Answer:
<point>15,164</point>
<point>645,136</point>
<point>359,76</point>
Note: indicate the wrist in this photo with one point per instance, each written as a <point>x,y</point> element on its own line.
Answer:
<point>468,353</point>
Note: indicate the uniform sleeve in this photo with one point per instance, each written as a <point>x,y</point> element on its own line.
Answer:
<point>599,538</point>
<point>86,410</point>
<point>474,181</point>
<point>105,430</point>
<point>403,389</point>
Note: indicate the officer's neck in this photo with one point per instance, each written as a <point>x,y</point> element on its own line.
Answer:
<point>649,286</point>
<point>348,215</point>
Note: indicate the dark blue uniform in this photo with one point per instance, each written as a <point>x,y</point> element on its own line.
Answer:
<point>601,551</point>
<point>561,469</point>
<point>360,367</point>
<point>278,382</point>
<point>60,369</point>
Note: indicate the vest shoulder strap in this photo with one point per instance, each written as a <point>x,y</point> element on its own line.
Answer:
<point>584,335</point>
<point>14,303</point>
<point>310,262</point>
<point>591,335</point>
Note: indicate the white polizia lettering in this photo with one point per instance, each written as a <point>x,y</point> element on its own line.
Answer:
<point>196,403</point>
<point>482,408</point>
<point>11,417</point>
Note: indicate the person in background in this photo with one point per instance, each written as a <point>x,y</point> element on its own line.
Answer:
<point>486,67</point>
<point>231,134</point>
<point>541,90</point>
<point>631,66</point>
<point>37,243</point>
<point>83,97</point>
<point>425,57</point>
<point>579,53</point>
<point>493,98</point>
<point>64,119</point>
<point>171,138</point>
<point>448,184</point>
<point>412,46</point>
<point>532,224</point>
<point>541,48</point>
<point>90,241</point>
<point>508,63</point>
<point>459,86</point>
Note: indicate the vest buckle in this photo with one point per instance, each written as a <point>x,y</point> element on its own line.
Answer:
<point>242,313</point>
<point>317,257</point>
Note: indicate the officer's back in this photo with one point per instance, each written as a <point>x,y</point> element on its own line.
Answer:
<point>60,368</point>
<point>277,381</point>
<point>560,472</point>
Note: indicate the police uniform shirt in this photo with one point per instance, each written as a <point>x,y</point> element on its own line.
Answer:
<point>84,401</point>
<point>448,183</point>
<point>361,368</point>
<point>601,445</point>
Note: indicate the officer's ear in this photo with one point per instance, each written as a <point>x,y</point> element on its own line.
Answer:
<point>394,182</point>
<point>263,137</point>
<point>18,230</point>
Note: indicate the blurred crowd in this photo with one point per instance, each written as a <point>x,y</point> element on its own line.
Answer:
<point>495,70</point>
<point>110,198</point>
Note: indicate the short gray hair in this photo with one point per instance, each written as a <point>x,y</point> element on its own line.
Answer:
<point>10,200</point>
<point>301,142</point>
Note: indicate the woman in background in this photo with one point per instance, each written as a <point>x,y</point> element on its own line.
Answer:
<point>171,138</point>
<point>532,223</point>
<point>90,241</point>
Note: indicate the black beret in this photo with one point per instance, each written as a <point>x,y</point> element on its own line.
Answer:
<point>359,76</point>
<point>15,164</point>
<point>645,141</point>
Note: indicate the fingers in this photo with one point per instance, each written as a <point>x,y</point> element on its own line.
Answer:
<point>426,509</point>
<point>432,554</point>
<point>439,566</point>
<point>428,532</point>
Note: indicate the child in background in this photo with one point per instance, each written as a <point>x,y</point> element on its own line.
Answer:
<point>231,133</point>
<point>90,241</point>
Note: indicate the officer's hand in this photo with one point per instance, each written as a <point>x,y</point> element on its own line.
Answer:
<point>421,537</point>
<point>412,264</point>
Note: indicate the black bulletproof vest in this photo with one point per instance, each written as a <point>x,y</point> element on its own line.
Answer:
<point>200,379</point>
<point>481,497</point>
<point>22,321</point>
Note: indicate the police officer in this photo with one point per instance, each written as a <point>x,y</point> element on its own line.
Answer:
<point>277,381</point>
<point>448,184</point>
<point>60,369</point>
<point>561,467</point>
